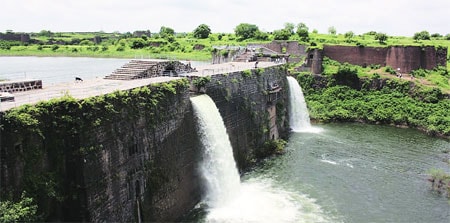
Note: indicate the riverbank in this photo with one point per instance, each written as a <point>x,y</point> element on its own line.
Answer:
<point>67,51</point>
<point>396,102</point>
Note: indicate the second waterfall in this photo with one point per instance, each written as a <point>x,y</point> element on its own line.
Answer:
<point>298,112</point>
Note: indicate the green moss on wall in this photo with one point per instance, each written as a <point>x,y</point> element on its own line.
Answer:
<point>46,143</point>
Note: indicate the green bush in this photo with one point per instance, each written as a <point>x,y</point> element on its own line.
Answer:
<point>390,70</point>
<point>23,211</point>
<point>201,81</point>
<point>247,73</point>
<point>375,66</point>
<point>55,47</point>
<point>419,73</point>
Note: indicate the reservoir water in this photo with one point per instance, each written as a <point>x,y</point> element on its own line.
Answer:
<point>53,70</point>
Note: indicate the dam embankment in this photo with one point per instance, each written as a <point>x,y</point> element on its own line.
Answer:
<point>133,154</point>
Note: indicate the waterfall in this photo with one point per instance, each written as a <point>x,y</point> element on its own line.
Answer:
<point>298,112</point>
<point>228,200</point>
<point>218,167</point>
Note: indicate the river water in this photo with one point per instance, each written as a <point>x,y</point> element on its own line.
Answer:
<point>330,173</point>
<point>363,173</point>
<point>356,173</point>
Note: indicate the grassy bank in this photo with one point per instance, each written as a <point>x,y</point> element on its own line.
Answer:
<point>187,46</point>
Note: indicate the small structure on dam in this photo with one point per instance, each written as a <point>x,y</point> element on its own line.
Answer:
<point>137,69</point>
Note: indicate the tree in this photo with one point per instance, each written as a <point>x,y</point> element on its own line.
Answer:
<point>302,32</point>
<point>202,31</point>
<point>137,43</point>
<point>424,35</point>
<point>447,37</point>
<point>259,35</point>
<point>166,31</point>
<point>289,27</point>
<point>436,35</point>
<point>381,37</point>
<point>332,30</point>
<point>46,33</point>
<point>246,31</point>
<point>281,34</point>
<point>349,35</point>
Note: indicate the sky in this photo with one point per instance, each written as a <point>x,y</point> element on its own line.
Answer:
<point>393,17</point>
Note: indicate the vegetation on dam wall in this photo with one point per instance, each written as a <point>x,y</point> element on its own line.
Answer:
<point>100,158</point>
<point>346,95</point>
<point>45,147</point>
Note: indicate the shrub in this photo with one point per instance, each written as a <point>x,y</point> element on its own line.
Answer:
<point>4,45</point>
<point>137,43</point>
<point>247,73</point>
<point>374,66</point>
<point>86,43</point>
<point>23,211</point>
<point>201,81</point>
<point>55,47</point>
<point>120,48</point>
<point>390,70</point>
<point>419,73</point>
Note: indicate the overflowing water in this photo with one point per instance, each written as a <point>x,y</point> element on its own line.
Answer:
<point>298,111</point>
<point>255,199</point>
<point>218,167</point>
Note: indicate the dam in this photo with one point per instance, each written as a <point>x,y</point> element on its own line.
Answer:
<point>100,85</point>
<point>127,150</point>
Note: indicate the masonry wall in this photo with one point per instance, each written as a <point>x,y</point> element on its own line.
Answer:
<point>103,158</point>
<point>248,105</point>
<point>108,158</point>
<point>15,86</point>
<point>407,58</point>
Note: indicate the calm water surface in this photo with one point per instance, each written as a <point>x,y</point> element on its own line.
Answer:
<point>53,70</point>
<point>359,173</point>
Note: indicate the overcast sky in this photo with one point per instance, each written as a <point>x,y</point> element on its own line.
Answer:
<point>394,17</point>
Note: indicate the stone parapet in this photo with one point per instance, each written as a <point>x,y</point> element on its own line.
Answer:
<point>16,86</point>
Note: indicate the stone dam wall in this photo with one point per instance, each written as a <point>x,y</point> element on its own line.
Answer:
<point>253,105</point>
<point>108,158</point>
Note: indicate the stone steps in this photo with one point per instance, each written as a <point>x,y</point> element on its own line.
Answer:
<point>136,69</point>
<point>132,70</point>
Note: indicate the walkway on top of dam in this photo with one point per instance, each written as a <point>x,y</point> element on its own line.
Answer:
<point>99,86</point>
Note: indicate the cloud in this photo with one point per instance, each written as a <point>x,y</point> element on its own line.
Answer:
<point>400,17</point>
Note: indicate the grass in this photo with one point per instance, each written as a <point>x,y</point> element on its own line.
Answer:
<point>185,46</point>
<point>439,78</point>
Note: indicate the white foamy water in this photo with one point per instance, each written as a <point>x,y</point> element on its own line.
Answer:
<point>260,201</point>
<point>218,167</point>
<point>298,112</point>
<point>255,200</point>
